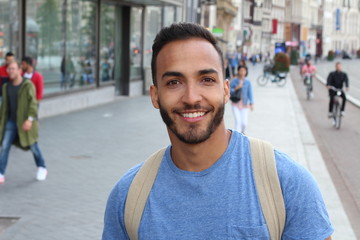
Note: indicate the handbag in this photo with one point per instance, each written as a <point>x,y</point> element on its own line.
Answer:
<point>236,96</point>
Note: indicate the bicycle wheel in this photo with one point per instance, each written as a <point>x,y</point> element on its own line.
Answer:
<point>338,116</point>
<point>307,92</point>
<point>280,81</point>
<point>262,80</point>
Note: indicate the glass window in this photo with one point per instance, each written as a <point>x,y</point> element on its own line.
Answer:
<point>169,15</point>
<point>152,27</point>
<point>135,43</point>
<point>60,36</point>
<point>107,42</point>
<point>178,14</point>
<point>81,43</point>
<point>9,33</point>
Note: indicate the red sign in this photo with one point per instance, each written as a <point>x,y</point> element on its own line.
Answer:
<point>274,26</point>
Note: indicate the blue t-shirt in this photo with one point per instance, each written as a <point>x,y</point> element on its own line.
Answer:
<point>220,202</point>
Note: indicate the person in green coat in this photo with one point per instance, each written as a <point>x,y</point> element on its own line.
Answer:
<point>18,121</point>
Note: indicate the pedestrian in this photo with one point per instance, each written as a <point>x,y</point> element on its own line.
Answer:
<point>234,61</point>
<point>4,77</point>
<point>67,70</point>
<point>204,187</point>
<point>105,70</point>
<point>35,77</point>
<point>242,62</point>
<point>18,121</point>
<point>308,73</point>
<point>241,108</point>
<point>337,79</point>
<point>228,70</point>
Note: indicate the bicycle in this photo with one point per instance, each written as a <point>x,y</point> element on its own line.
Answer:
<point>336,112</point>
<point>308,83</point>
<point>279,78</point>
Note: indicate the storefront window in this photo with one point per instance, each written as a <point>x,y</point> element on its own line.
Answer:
<point>135,43</point>
<point>60,37</point>
<point>178,14</point>
<point>107,43</point>
<point>152,27</point>
<point>9,33</point>
<point>169,15</point>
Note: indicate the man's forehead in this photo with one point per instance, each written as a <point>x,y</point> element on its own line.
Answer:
<point>12,64</point>
<point>192,46</point>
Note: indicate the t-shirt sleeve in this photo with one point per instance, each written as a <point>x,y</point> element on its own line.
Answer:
<point>306,214</point>
<point>114,225</point>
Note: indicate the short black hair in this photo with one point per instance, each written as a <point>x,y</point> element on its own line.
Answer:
<point>9,54</point>
<point>28,60</point>
<point>181,31</point>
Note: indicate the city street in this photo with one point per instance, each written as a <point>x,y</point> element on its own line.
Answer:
<point>339,148</point>
<point>351,67</point>
<point>89,150</point>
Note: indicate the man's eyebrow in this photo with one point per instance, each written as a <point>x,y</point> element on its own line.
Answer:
<point>172,74</point>
<point>207,71</point>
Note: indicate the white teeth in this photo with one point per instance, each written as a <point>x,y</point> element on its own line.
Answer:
<point>193,115</point>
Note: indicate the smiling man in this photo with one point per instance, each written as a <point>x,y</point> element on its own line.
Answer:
<point>205,188</point>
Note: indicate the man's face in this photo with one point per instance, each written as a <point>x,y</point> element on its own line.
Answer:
<point>191,91</point>
<point>24,66</point>
<point>338,67</point>
<point>13,70</point>
<point>9,59</point>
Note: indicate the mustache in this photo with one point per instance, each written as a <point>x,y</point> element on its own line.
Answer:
<point>189,107</point>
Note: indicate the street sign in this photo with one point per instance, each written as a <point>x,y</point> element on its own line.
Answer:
<point>337,22</point>
<point>219,32</point>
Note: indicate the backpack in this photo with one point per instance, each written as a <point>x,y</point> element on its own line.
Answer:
<point>266,180</point>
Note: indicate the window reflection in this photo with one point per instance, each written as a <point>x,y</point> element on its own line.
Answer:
<point>135,43</point>
<point>61,39</point>
<point>107,39</point>
<point>8,28</point>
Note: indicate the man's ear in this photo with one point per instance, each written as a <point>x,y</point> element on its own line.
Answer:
<point>154,96</point>
<point>226,90</point>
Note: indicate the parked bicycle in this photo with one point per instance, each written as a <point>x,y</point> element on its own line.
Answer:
<point>336,113</point>
<point>278,77</point>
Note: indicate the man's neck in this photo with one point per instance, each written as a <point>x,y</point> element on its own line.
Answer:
<point>17,81</point>
<point>29,70</point>
<point>198,157</point>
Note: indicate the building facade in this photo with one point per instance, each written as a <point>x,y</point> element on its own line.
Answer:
<point>89,44</point>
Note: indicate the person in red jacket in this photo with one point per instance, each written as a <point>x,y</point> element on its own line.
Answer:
<point>36,78</point>
<point>4,77</point>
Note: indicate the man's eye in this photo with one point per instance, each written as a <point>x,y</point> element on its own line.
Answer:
<point>173,82</point>
<point>208,80</point>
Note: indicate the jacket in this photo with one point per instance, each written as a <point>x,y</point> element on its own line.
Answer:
<point>337,79</point>
<point>246,90</point>
<point>27,107</point>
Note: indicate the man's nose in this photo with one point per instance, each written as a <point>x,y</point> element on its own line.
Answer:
<point>192,94</point>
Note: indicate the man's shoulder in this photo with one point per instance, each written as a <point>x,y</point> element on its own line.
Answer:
<point>288,167</point>
<point>37,75</point>
<point>3,70</point>
<point>123,185</point>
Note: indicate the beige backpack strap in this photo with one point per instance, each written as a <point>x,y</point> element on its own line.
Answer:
<point>268,186</point>
<point>139,192</point>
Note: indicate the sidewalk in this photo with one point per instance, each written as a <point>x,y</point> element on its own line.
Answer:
<point>89,150</point>
<point>279,118</point>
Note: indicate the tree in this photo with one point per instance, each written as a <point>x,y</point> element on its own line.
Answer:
<point>48,18</point>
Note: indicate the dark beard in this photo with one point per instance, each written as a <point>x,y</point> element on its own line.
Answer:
<point>192,136</point>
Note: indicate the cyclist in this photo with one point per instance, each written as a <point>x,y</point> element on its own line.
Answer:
<point>308,71</point>
<point>336,79</point>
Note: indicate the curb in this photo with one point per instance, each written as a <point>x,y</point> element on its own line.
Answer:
<point>348,97</point>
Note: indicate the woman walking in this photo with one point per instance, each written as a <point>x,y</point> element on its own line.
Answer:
<point>241,107</point>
